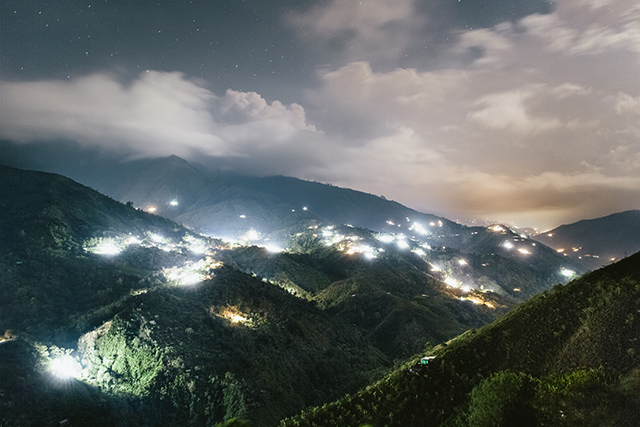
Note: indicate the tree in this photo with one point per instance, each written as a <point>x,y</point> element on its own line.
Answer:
<point>504,399</point>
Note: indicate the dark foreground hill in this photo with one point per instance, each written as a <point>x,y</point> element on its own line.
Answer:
<point>597,242</point>
<point>568,357</point>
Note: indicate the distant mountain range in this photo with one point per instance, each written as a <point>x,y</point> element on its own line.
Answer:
<point>597,242</point>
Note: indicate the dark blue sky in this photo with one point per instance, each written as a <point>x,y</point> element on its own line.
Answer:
<point>245,45</point>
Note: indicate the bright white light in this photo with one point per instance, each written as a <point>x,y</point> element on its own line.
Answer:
<point>198,249</point>
<point>251,235</point>
<point>386,238</point>
<point>243,216</point>
<point>174,202</point>
<point>567,273</point>
<point>466,289</point>
<point>462,262</point>
<point>186,277</point>
<point>107,247</point>
<point>508,245</point>
<point>236,318</point>
<point>274,248</point>
<point>151,209</point>
<point>435,268</point>
<point>65,367</point>
<point>402,244</point>
<point>524,251</point>
<point>419,252</point>
<point>133,241</point>
<point>496,228</point>
<point>304,208</point>
<point>156,237</point>
<point>450,281</point>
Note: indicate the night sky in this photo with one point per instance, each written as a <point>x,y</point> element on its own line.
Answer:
<point>524,112</point>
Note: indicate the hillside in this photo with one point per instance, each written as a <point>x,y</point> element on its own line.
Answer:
<point>159,331</point>
<point>597,242</point>
<point>567,357</point>
<point>165,326</point>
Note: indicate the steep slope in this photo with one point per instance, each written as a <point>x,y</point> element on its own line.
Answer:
<point>160,332</point>
<point>168,327</point>
<point>398,290</point>
<point>597,242</point>
<point>68,253</point>
<point>567,357</point>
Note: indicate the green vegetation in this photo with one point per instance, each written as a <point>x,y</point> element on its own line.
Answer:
<point>568,357</point>
<point>258,336</point>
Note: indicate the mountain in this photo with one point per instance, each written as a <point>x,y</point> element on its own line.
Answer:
<point>267,210</point>
<point>569,356</point>
<point>162,325</point>
<point>157,330</point>
<point>167,326</point>
<point>597,242</point>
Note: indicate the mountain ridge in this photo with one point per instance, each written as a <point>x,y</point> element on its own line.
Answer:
<point>599,241</point>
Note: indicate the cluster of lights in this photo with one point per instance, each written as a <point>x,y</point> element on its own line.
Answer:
<point>111,246</point>
<point>193,272</point>
<point>233,314</point>
<point>508,245</point>
<point>65,367</point>
<point>567,273</point>
<point>497,229</point>
<point>477,301</point>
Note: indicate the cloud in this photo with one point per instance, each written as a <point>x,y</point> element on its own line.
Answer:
<point>536,120</point>
<point>543,121</point>
<point>509,111</point>
<point>378,30</point>
<point>157,114</point>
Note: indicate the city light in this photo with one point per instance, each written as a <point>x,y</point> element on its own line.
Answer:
<point>107,247</point>
<point>567,273</point>
<point>65,367</point>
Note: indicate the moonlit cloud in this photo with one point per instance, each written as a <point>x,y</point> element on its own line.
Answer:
<point>534,120</point>
<point>157,114</point>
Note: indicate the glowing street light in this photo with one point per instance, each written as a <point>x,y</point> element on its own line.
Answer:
<point>65,367</point>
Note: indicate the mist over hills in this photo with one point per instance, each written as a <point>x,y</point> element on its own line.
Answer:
<point>597,242</point>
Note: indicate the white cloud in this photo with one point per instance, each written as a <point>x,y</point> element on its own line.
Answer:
<point>509,111</point>
<point>538,118</point>
<point>533,127</point>
<point>156,114</point>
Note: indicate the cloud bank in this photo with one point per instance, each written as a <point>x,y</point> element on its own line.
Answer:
<point>534,121</point>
